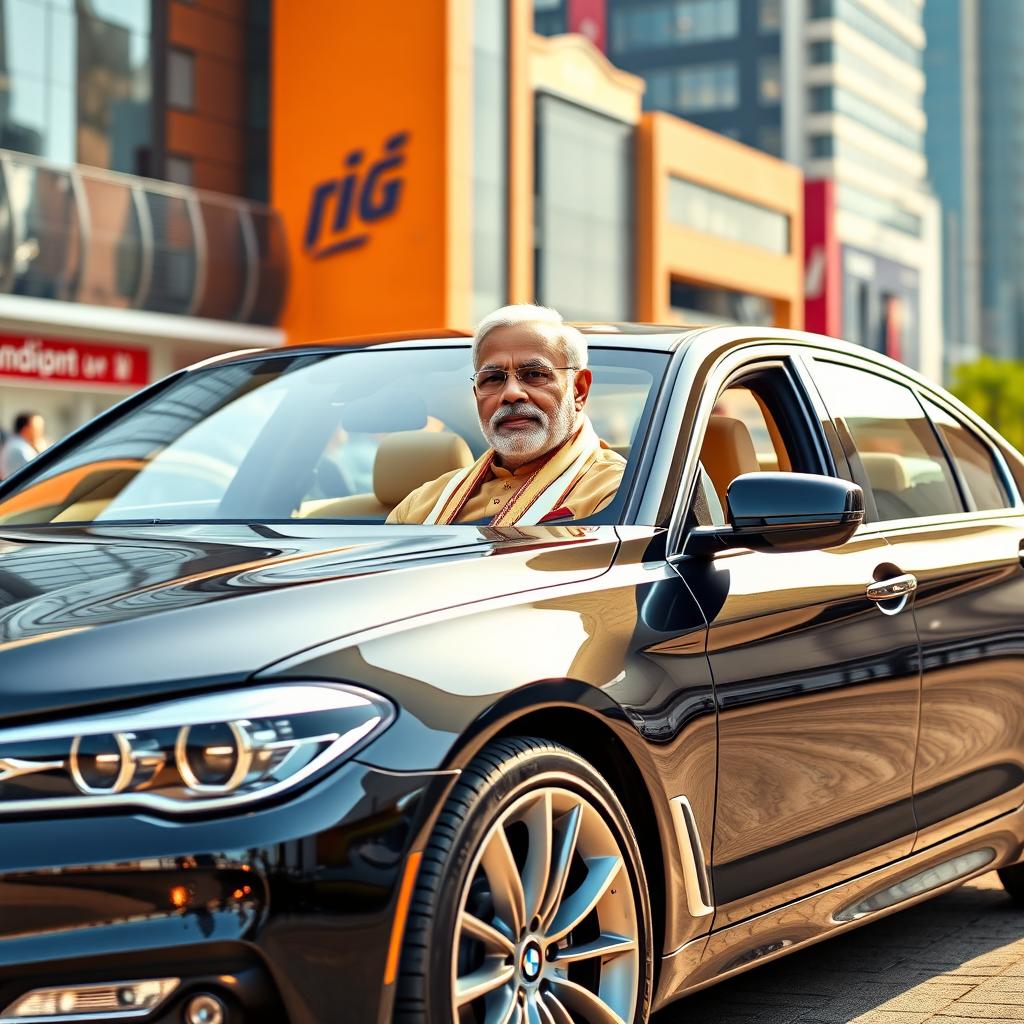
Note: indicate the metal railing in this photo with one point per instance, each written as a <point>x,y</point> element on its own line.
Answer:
<point>83,234</point>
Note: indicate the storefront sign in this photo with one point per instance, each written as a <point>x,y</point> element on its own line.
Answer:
<point>70,362</point>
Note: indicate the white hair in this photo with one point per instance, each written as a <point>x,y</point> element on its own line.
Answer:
<point>571,344</point>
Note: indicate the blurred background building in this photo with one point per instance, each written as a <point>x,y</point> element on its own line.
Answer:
<point>975,105</point>
<point>115,268</point>
<point>833,86</point>
<point>183,177</point>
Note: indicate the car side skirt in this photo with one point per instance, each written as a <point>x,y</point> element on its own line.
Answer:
<point>709,959</point>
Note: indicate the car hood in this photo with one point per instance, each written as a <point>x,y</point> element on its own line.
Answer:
<point>113,613</point>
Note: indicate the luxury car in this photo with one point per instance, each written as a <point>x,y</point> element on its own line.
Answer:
<point>265,758</point>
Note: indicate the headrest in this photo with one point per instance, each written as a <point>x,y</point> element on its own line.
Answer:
<point>885,471</point>
<point>409,458</point>
<point>728,452</point>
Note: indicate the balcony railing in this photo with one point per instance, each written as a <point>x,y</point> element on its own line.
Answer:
<point>87,235</point>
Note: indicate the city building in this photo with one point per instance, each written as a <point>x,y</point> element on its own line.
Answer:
<point>131,134</point>
<point>180,178</point>
<point>975,125</point>
<point>471,162</point>
<point>834,86</point>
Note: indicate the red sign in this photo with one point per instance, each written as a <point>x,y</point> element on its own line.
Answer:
<point>823,282</point>
<point>590,19</point>
<point>70,362</point>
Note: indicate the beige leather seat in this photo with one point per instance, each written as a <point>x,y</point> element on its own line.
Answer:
<point>727,452</point>
<point>404,461</point>
<point>885,472</point>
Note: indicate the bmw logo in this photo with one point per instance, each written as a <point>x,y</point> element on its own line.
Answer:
<point>530,965</point>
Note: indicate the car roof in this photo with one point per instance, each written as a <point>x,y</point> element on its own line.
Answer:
<point>700,340</point>
<point>652,337</point>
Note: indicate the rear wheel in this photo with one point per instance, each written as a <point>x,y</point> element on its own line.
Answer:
<point>531,903</point>
<point>1013,882</point>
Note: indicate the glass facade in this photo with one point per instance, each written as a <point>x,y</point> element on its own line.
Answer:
<point>584,212</point>
<point>844,101</point>
<point>695,304</point>
<point>715,213</point>
<point>490,156</point>
<point>714,62</point>
<point>1000,44</point>
<point>869,25</point>
<point>694,89</point>
<point>76,81</point>
<point>150,246</point>
<point>829,52</point>
<point>641,26</point>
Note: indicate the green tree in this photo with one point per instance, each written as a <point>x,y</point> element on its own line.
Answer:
<point>994,389</point>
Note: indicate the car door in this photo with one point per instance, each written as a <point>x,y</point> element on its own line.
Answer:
<point>816,685</point>
<point>961,540</point>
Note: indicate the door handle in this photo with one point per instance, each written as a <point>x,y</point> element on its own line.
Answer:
<point>891,589</point>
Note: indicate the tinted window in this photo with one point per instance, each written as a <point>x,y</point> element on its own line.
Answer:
<point>894,443</point>
<point>293,436</point>
<point>973,459</point>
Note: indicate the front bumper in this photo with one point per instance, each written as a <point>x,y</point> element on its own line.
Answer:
<point>285,913</point>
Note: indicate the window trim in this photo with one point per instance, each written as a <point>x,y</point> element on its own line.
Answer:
<point>760,355</point>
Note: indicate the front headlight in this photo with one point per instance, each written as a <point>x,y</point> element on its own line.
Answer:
<point>198,753</point>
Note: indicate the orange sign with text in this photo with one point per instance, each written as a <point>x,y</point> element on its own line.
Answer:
<point>370,164</point>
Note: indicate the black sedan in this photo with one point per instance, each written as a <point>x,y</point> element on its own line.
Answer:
<point>264,758</point>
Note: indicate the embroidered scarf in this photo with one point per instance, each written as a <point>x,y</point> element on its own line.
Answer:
<point>539,494</point>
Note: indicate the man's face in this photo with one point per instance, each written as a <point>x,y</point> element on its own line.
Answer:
<point>521,423</point>
<point>33,431</point>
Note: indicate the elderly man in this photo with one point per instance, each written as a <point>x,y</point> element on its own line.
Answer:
<point>545,463</point>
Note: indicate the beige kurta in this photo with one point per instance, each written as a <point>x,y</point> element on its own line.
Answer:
<point>594,490</point>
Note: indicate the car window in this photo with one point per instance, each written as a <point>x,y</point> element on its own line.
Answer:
<point>973,458</point>
<point>341,435</point>
<point>746,433</point>
<point>890,442</point>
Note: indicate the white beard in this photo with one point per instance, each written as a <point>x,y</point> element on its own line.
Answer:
<point>523,446</point>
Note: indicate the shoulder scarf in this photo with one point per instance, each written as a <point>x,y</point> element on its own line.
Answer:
<point>541,492</point>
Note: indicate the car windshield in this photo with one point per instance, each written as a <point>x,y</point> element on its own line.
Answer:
<point>295,436</point>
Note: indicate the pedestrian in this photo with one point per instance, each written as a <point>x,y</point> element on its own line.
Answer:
<point>25,442</point>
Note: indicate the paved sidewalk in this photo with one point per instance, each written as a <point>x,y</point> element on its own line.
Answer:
<point>957,959</point>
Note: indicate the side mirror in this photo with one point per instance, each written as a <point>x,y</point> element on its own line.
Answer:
<point>783,512</point>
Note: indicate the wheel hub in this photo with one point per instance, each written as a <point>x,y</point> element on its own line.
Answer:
<point>530,961</point>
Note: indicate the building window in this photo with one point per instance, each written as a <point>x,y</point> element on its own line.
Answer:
<point>769,81</point>
<point>648,26</point>
<point>769,15</point>
<point>769,139</point>
<point>696,304</point>
<point>869,25</point>
<point>181,79</point>
<point>707,87</point>
<point>843,101</point>
<point>178,169</point>
<point>737,220</point>
<point>822,146</point>
<point>490,156</point>
<point>821,52</point>
<point>880,209</point>
<point>584,211</point>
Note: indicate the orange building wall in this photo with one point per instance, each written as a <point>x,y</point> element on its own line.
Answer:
<point>346,76</point>
<point>211,136</point>
<point>667,146</point>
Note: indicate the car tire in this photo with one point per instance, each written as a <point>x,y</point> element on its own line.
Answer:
<point>531,901</point>
<point>1013,882</point>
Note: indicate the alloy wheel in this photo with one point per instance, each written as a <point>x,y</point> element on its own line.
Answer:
<point>547,930</point>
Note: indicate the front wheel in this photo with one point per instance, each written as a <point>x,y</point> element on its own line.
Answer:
<point>531,903</point>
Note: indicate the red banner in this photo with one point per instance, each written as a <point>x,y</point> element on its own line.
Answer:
<point>70,362</point>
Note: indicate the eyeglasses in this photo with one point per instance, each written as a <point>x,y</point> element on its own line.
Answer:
<point>490,382</point>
